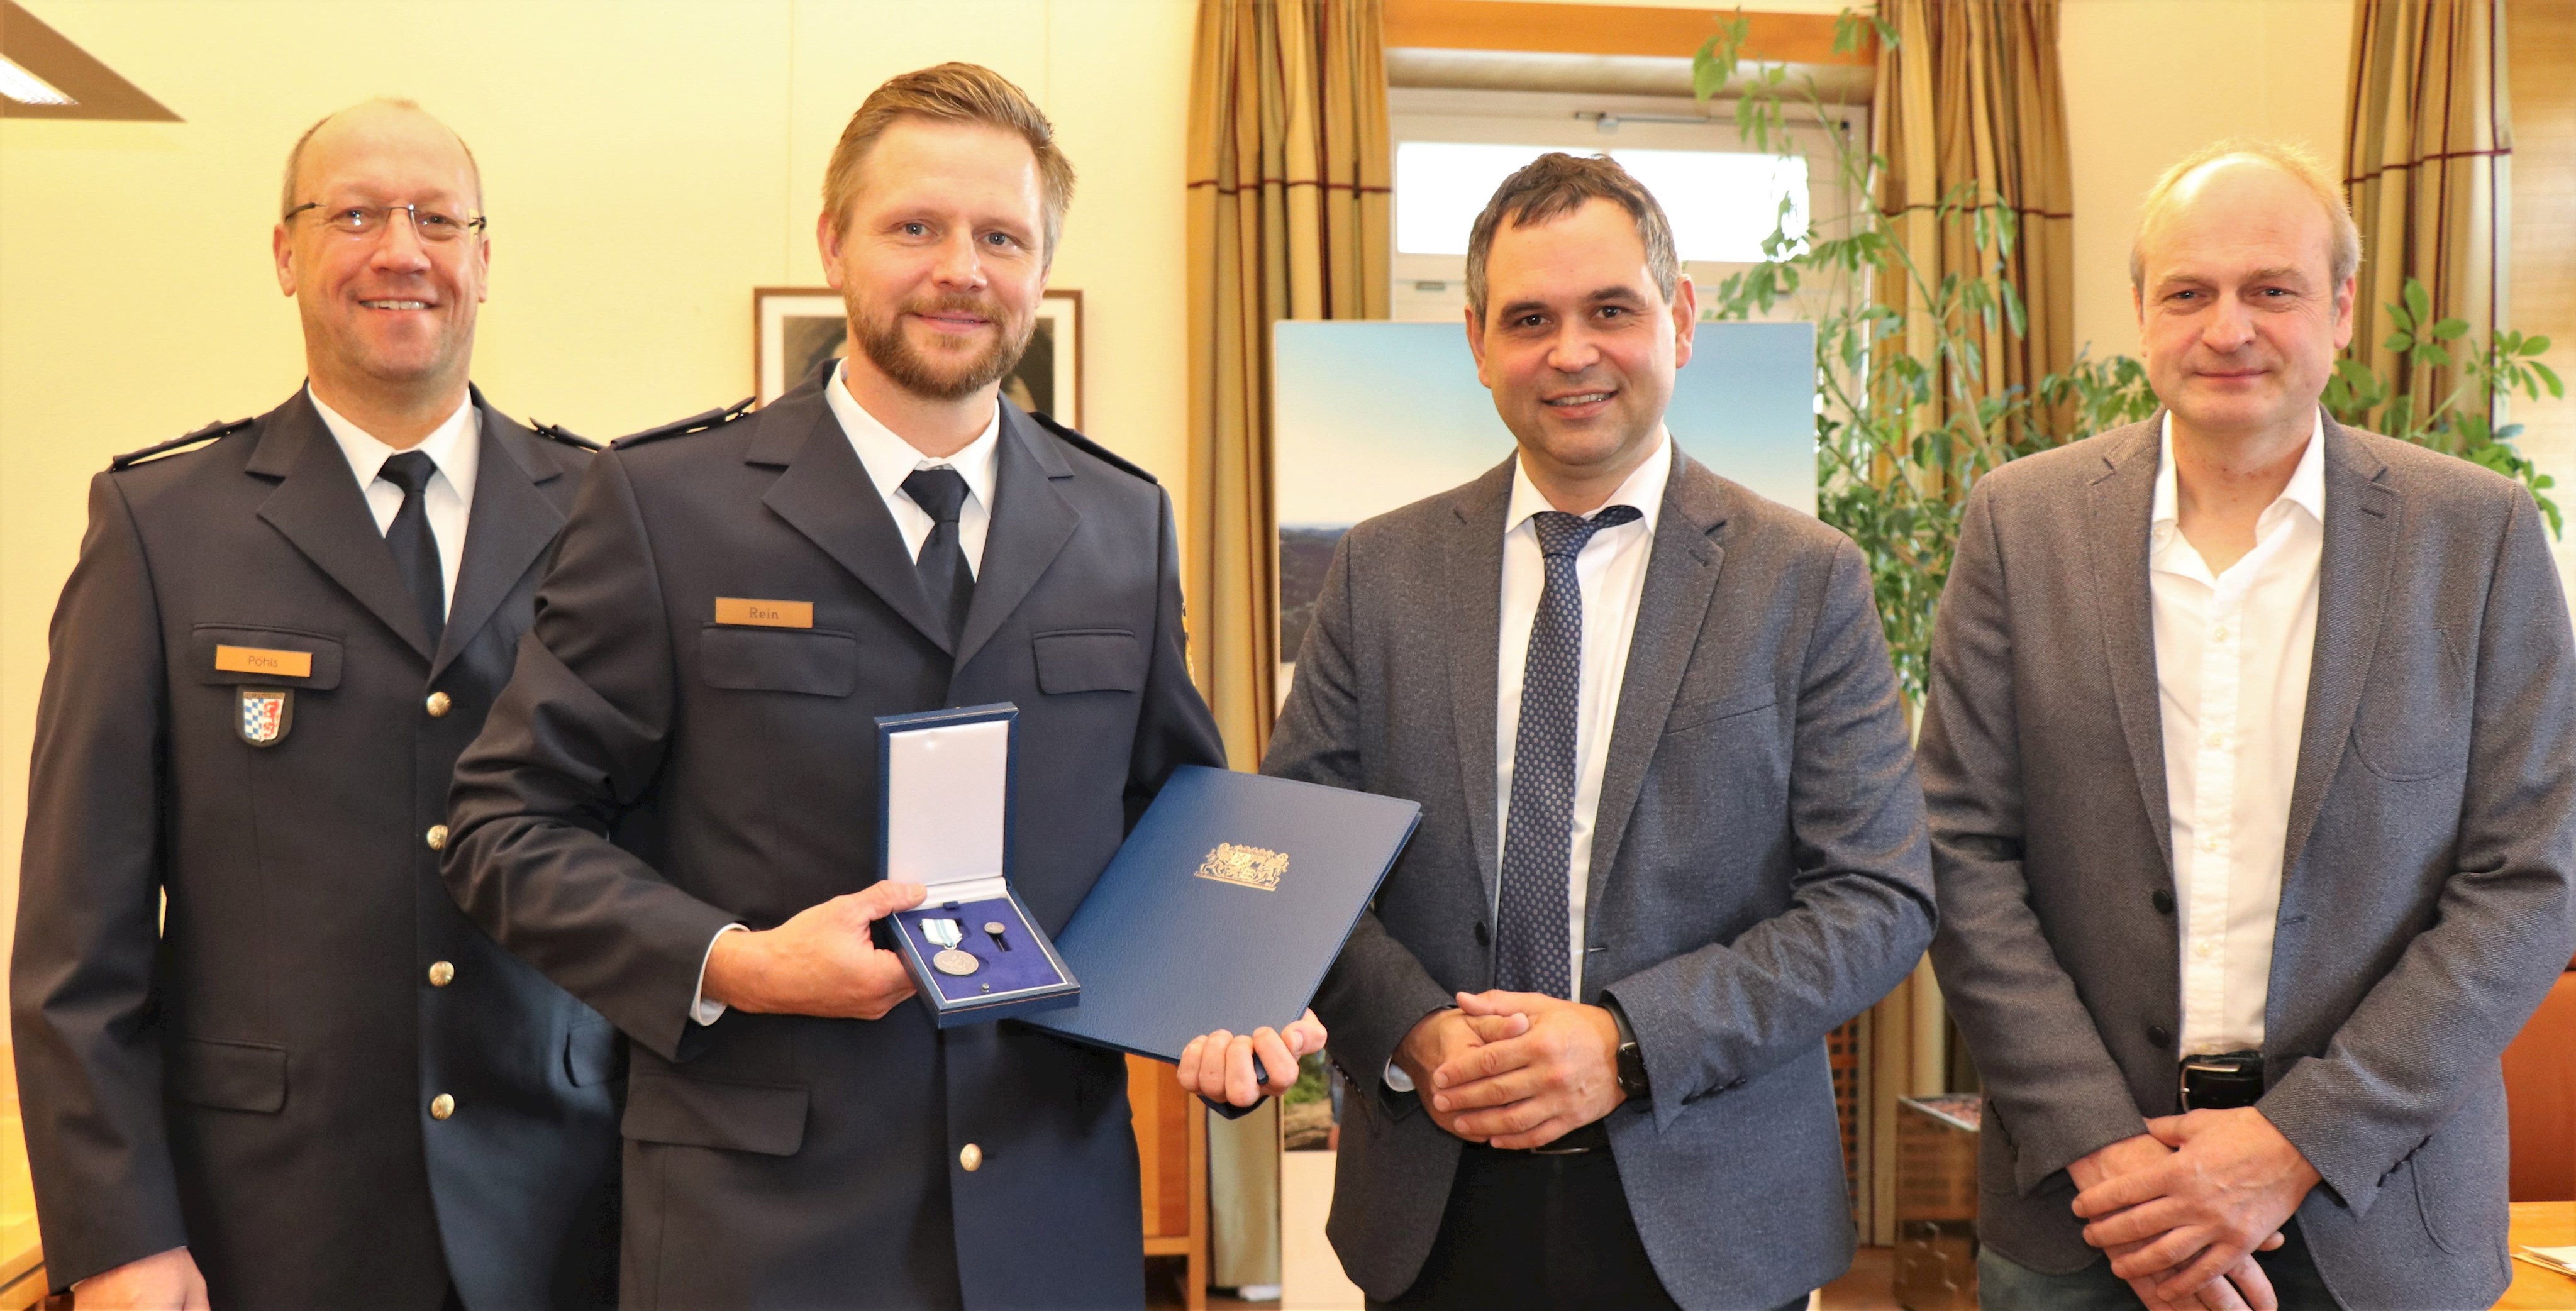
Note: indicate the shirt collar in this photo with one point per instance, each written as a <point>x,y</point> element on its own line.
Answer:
<point>890,459</point>
<point>2307,489</point>
<point>1644,489</point>
<point>449,446</point>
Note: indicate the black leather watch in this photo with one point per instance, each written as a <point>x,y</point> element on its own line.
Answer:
<point>1631,1066</point>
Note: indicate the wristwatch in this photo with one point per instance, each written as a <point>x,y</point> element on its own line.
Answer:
<point>1631,1066</point>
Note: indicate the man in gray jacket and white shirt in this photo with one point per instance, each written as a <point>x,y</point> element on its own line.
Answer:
<point>2250,752</point>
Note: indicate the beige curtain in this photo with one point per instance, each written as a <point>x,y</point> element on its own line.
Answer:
<point>1970,104</point>
<point>2428,144</point>
<point>1288,219</point>
<point>1969,109</point>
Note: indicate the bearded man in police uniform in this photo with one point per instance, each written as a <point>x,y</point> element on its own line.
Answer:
<point>312,1082</point>
<point>737,602</point>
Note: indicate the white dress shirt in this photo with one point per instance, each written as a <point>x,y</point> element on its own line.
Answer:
<point>2232,657</point>
<point>454,447</point>
<point>890,459</point>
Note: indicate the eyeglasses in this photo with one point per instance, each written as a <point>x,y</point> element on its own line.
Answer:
<point>369,220</point>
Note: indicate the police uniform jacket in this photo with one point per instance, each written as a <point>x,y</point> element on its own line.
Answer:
<point>778,1160</point>
<point>310,1069</point>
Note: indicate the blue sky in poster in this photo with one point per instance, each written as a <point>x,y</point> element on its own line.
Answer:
<point>1371,416</point>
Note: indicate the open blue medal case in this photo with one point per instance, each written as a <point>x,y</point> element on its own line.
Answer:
<point>944,807</point>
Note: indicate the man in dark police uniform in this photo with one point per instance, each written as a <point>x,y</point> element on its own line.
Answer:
<point>737,600</point>
<point>309,1082</point>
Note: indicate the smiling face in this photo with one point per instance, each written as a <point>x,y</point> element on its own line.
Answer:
<point>2239,315</point>
<point>384,313</point>
<point>941,259</point>
<point>1578,346</point>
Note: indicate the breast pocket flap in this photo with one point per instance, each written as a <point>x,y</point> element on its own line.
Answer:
<point>1689,717</point>
<point>225,654</point>
<point>1090,660</point>
<point>813,661</point>
<point>229,1076</point>
<point>766,1118</point>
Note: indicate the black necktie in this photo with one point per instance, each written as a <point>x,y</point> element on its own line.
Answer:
<point>415,548</point>
<point>1531,945</point>
<point>944,575</point>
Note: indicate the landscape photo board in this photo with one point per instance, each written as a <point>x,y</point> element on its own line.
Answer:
<point>1372,416</point>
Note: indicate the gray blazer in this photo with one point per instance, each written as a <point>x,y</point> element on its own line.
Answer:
<point>1759,875</point>
<point>2425,896</point>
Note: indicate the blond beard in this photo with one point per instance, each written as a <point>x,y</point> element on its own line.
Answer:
<point>891,351</point>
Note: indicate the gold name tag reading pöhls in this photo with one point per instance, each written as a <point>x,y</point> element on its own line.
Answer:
<point>766,614</point>
<point>261,660</point>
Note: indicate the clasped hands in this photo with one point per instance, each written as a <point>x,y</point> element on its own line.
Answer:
<point>1514,1069</point>
<point>822,961</point>
<point>2182,1208</point>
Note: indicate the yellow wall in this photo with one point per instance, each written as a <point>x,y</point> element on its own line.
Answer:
<point>646,164</point>
<point>2148,81</point>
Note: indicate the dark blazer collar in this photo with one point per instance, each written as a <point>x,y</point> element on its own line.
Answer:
<point>507,530</point>
<point>824,493</point>
<point>2363,510</point>
<point>1472,635</point>
<point>1031,522</point>
<point>1672,611</point>
<point>2120,501</point>
<point>320,509</point>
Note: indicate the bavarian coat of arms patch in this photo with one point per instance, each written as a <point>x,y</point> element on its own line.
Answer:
<point>265,713</point>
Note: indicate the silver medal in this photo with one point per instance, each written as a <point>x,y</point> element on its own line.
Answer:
<point>947,934</point>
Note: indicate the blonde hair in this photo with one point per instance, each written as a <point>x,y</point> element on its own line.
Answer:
<point>2343,246</point>
<point>949,93</point>
<point>295,157</point>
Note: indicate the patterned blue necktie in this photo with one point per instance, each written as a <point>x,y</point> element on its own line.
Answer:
<point>1531,944</point>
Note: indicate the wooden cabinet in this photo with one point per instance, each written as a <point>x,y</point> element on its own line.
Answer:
<point>1171,1156</point>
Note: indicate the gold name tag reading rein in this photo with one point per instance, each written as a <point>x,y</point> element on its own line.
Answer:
<point>261,660</point>
<point>764,614</point>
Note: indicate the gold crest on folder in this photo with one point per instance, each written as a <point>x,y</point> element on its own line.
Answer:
<point>1251,867</point>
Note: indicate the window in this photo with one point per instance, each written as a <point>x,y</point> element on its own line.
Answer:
<point>1721,204</point>
<point>1453,145</point>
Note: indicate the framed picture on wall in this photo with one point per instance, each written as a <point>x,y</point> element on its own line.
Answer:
<point>796,329</point>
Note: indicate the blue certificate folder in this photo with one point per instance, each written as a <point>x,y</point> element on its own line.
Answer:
<point>1223,909</point>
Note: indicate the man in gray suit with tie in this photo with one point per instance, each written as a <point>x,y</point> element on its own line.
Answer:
<point>1670,833</point>
<point>2250,750</point>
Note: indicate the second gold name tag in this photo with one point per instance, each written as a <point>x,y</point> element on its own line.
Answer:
<point>766,614</point>
<point>261,660</point>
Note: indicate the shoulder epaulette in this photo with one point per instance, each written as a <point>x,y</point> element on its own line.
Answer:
<point>211,431</point>
<point>712,419</point>
<point>1090,447</point>
<point>557,433</point>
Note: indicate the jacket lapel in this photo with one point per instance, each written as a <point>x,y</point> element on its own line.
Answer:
<point>2120,505</point>
<point>2362,513</point>
<point>1672,610</point>
<point>319,508</point>
<point>824,493</point>
<point>509,526</point>
<point>1030,523</point>
<point>1475,624</point>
